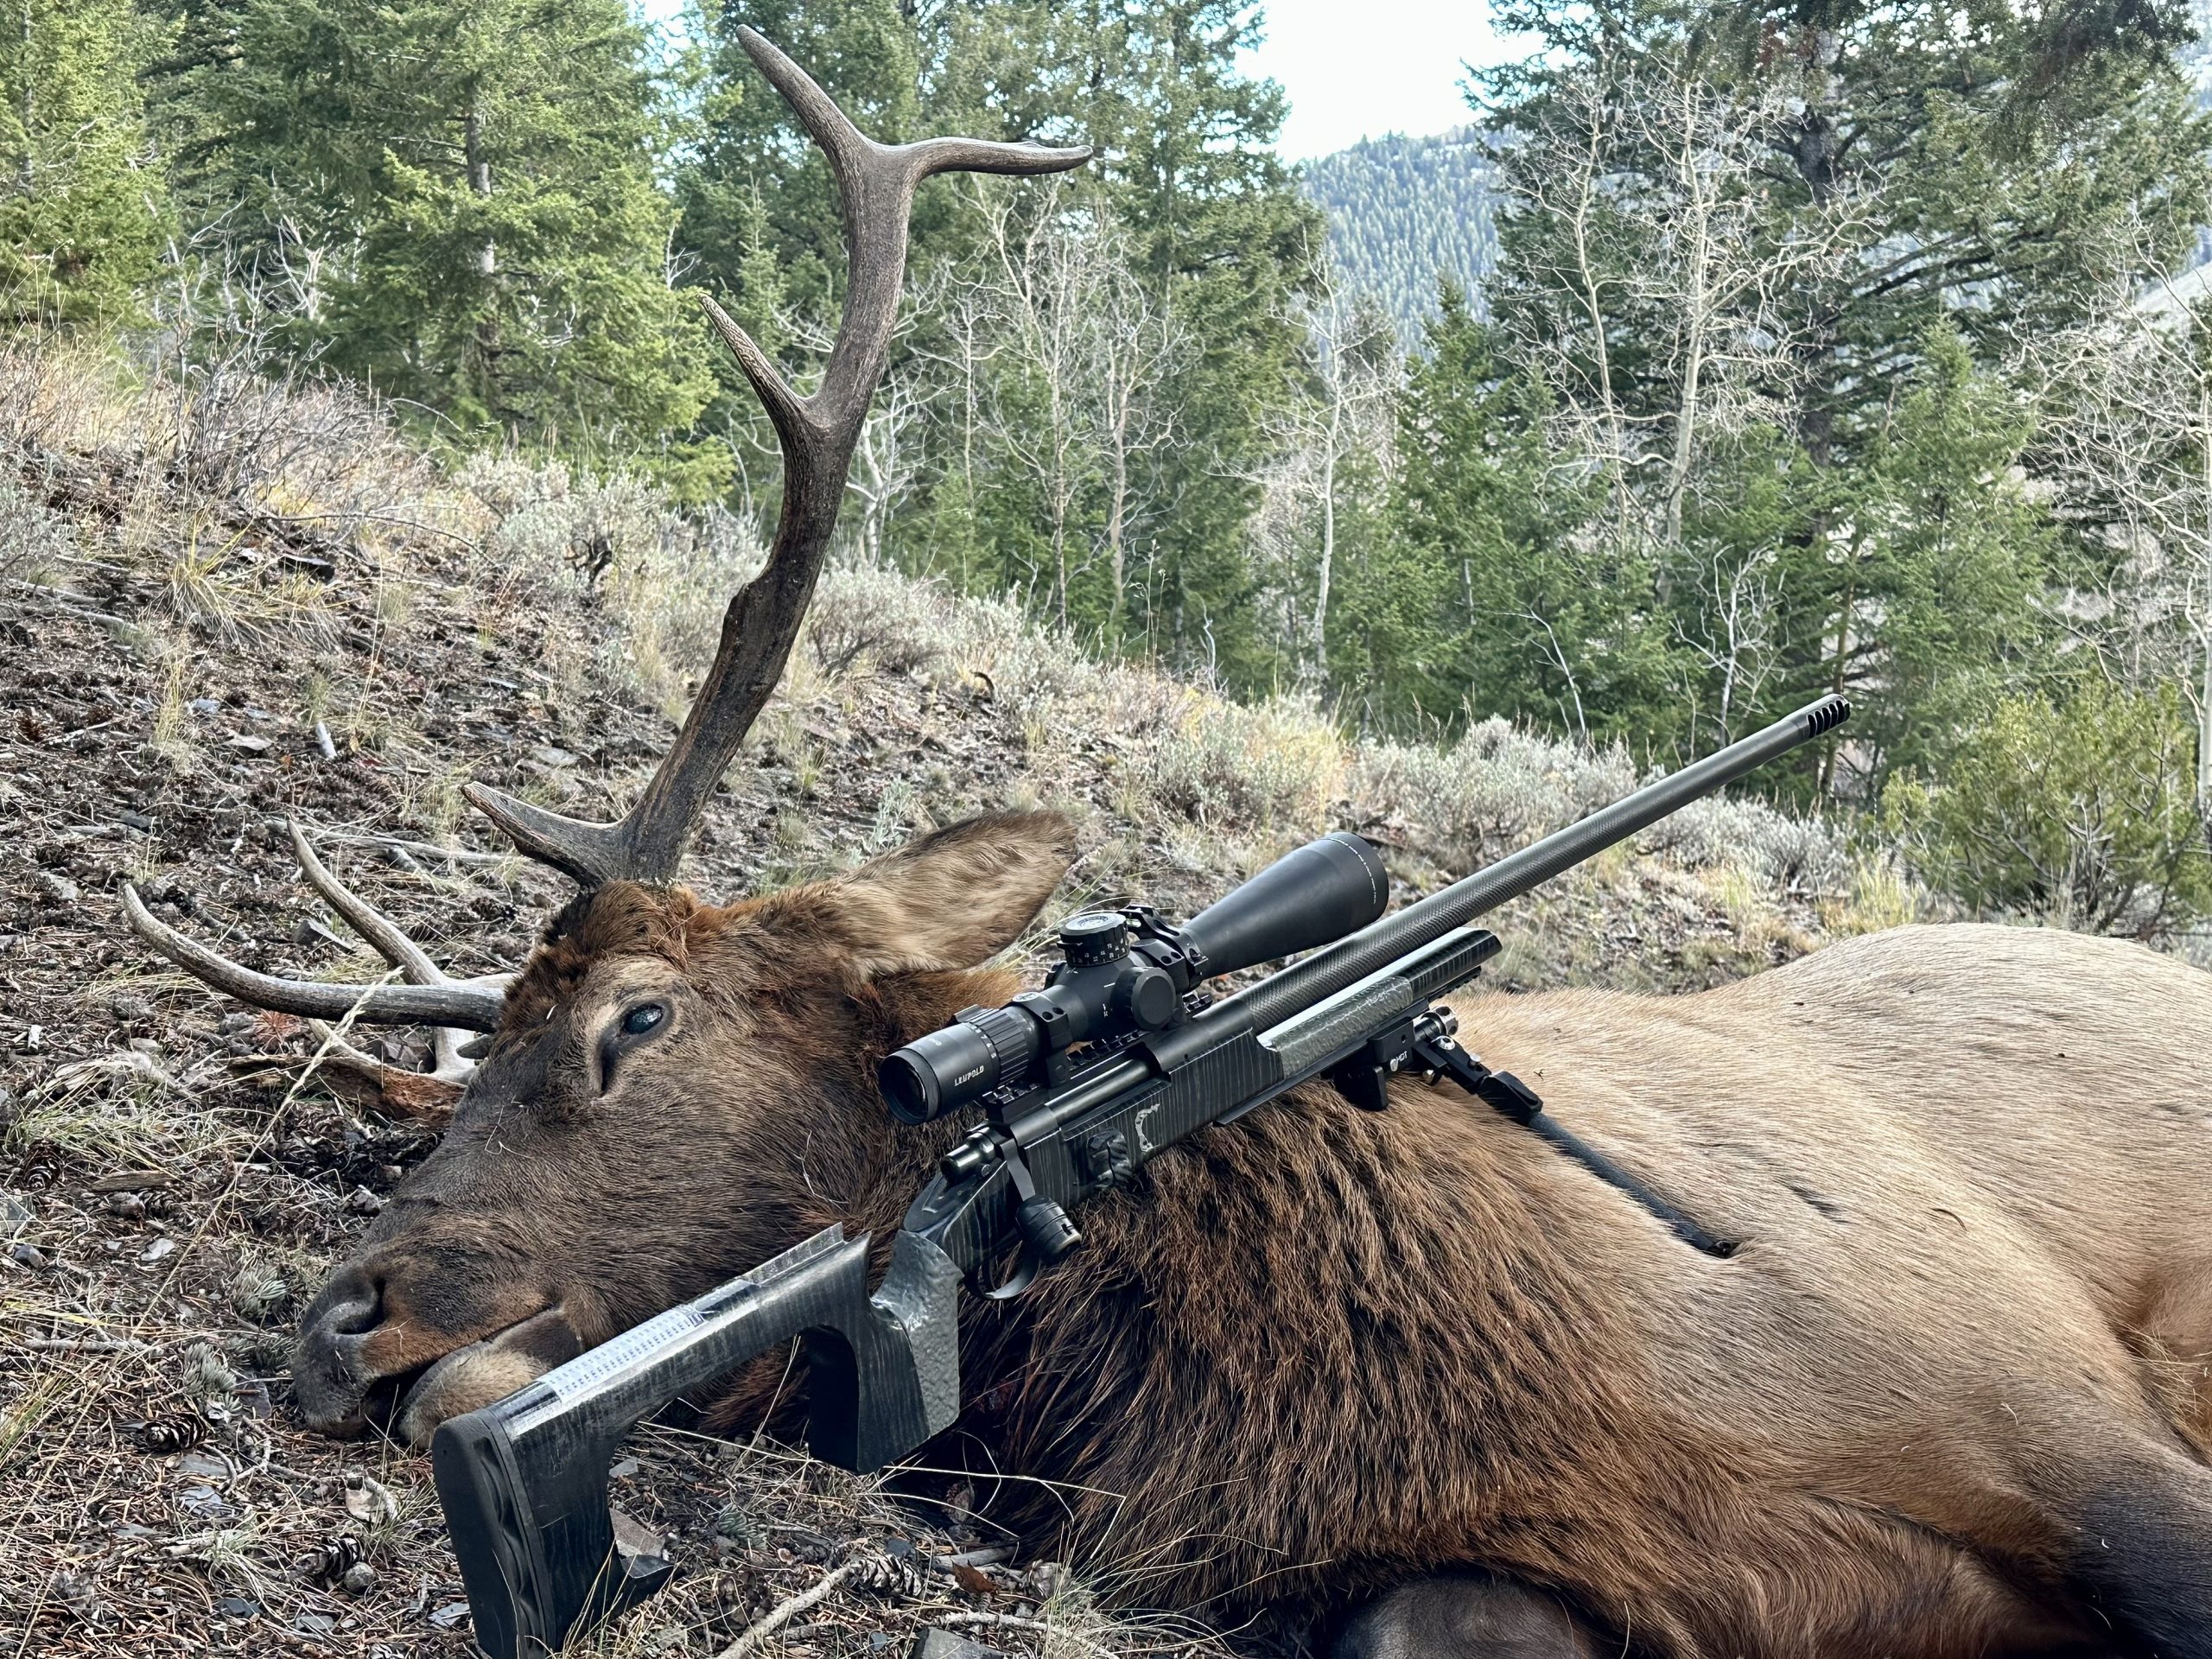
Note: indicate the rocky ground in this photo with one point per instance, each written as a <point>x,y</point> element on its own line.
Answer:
<point>222,618</point>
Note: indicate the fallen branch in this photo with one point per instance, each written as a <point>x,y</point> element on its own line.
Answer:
<point>781,1615</point>
<point>84,1346</point>
<point>416,849</point>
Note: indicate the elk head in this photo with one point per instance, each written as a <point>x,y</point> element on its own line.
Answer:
<point>669,1089</point>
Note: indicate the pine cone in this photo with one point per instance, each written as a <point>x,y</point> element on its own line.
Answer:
<point>172,1431</point>
<point>897,1576</point>
<point>332,1559</point>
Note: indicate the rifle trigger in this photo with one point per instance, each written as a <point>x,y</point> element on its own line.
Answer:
<point>1025,1274</point>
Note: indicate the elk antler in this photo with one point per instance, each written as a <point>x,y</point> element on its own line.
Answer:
<point>427,999</point>
<point>876,186</point>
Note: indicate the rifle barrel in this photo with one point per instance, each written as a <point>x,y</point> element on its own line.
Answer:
<point>1326,972</point>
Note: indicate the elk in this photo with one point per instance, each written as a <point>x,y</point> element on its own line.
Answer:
<point>1949,1394</point>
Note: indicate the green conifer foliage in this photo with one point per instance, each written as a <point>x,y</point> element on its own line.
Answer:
<point>80,209</point>
<point>1777,266</point>
<point>1523,618</point>
<point>455,202</point>
<point>1407,215</point>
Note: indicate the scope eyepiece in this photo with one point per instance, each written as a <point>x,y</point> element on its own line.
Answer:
<point>943,1071</point>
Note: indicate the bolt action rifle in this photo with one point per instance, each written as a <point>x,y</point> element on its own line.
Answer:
<point>1118,1058</point>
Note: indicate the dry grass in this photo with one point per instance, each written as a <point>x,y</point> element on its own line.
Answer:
<point>226,566</point>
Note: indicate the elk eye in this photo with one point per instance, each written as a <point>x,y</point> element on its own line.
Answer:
<point>643,1018</point>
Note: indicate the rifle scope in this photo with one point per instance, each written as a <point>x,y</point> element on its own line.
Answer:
<point>1126,972</point>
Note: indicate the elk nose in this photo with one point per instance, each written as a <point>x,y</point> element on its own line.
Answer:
<point>328,1377</point>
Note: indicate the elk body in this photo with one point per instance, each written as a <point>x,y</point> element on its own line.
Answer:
<point>1951,1394</point>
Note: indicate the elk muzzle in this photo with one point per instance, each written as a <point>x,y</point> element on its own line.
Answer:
<point>414,1337</point>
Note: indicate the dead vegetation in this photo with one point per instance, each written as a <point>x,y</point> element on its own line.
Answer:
<point>230,605</point>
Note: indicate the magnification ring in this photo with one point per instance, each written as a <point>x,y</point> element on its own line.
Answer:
<point>1008,1032</point>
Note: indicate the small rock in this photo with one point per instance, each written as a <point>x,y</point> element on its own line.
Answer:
<point>137,820</point>
<point>58,888</point>
<point>252,745</point>
<point>204,706</point>
<point>313,1623</point>
<point>160,1249</point>
<point>359,1580</point>
<point>129,1007</point>
<point>634,1538</point>
<point>25,1254</point>
<point>205,1503</point>
<point>450,1614</point>
<point>237,1607</point>
<point>935,1643</point>
<point>546,755</point>
<point>208,1465</point>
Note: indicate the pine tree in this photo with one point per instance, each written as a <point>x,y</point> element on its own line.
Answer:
<point>1924,595</point>
<point>80,209</point>
<point>453,202</point>
<point>1490,600</point>
<point>1776,265</point>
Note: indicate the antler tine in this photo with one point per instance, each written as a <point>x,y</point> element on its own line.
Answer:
<point>470,1006</point>
<point>875,186</point>
<point>391,943</point>
<point>363,918</point>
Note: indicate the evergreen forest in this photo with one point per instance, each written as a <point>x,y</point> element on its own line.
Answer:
<point>1735,353</point>
<point>1406,216</point>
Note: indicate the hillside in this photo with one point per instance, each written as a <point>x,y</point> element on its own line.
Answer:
<point>229,605</point>
<point>1405,213</point>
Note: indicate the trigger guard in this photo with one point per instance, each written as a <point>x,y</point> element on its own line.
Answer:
<point>1025,1274</point>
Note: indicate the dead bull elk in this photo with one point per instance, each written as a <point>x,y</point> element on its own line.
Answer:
<point>1951,1395</point>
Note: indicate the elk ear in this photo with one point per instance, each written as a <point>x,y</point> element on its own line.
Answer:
<point>949,900</point>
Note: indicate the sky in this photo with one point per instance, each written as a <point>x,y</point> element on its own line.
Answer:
<point>1357,69</point>
<point>1354,69</point>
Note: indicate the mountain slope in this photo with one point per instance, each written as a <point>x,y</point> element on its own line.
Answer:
<point>1405,213</point>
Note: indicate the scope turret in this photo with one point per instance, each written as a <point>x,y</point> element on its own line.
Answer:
<point>1126,972</point>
